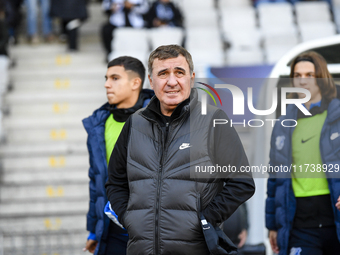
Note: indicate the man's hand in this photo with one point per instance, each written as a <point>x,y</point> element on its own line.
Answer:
<point>338,203</point>
<point>243,237</point>
<point>90,246</point>
<point>273,241</point>
<point>128,5</point>
<point>156,22</point>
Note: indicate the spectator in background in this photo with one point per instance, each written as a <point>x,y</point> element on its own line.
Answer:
<point>32,15</point>
<point>122,13</point>
<point>124,82</point>
<point>303,207</point>
<point>3,30</point>
<point>72,13</point>
<point>13,18</point>
<point>164,13</point>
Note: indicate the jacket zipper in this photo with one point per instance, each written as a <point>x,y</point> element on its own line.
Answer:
<point>158,184</point>
<point>328,179</point>
<point>160,169</point>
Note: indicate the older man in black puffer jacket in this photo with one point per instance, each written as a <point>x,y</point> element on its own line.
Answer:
<point>152,184</point>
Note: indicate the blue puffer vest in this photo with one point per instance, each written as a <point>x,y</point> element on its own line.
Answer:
<point>97,221</point>
<point>281,203</point>
<point>162,215</point>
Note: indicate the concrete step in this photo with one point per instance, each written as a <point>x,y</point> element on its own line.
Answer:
<point>53,67</point>
<point>38,52</point>
<point>47,163</point>
<point>69,221</point>
<point>38,136</point>
<point>42,189</point>
<point>27,179</point>
<point>61,84</point>
<point>56,97</point>
<point>43,149</point>
<point>50,122</point>
<point>48,206</point>
<point>55,108</point>
<point>50,59</point>
<point>48,242</point>
<point>93,45</point>
<point>92,71</point>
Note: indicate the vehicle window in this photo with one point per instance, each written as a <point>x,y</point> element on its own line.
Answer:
<point>330,52</point>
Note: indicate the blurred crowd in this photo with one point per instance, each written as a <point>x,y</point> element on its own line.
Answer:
<point>46,21</point>
<point>38,19</point>
<point>37,16</point>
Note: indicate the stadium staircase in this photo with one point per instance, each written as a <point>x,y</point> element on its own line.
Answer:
<point>44,160</point>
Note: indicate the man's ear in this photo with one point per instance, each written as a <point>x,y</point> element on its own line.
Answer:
<point>136,83</point>
<point>150,80</point>
<point>192,80</point>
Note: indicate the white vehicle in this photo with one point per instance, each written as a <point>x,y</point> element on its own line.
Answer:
<point>329,48</point>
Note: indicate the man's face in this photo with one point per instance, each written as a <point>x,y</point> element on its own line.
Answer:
<point>120,85</point>
<point>304,77</point>
<point>171,82</point>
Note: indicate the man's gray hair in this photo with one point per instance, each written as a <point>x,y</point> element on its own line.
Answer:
<point>170,51</point>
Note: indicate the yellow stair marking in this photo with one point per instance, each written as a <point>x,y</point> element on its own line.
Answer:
<point>58,134</point>
<point>57,161</point>
<point>60,107</point>
<point>62,84</point>
<point>52,192</point>
<point>63,60</point>
<point>60,191</point>
<point>50,225</point>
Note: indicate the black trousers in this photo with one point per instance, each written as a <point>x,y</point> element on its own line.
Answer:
<point>107,36</point>
<point>116,241</point>
<point>314,241</point>
<point>72,36</point>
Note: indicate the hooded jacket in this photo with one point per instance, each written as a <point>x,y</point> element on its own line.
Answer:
<point>155,190</point>
<point>97,222</point>
<point>281,202</point>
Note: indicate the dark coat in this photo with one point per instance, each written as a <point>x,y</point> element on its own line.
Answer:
<point>176,20</point>
<point>281,202</point>
<point>13,12</point>
<point>161,197</point>
<point>97,222</point>
<point>69,9</point>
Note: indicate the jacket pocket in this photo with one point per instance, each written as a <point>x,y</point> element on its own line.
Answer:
<point>123,220</point>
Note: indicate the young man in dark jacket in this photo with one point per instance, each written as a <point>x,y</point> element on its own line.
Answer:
<point>164,13</point>
<point>152,184</point>
<point>124,82</point>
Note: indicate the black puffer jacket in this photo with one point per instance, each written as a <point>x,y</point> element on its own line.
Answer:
<point>69,9</point>
<point>156,199</point>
